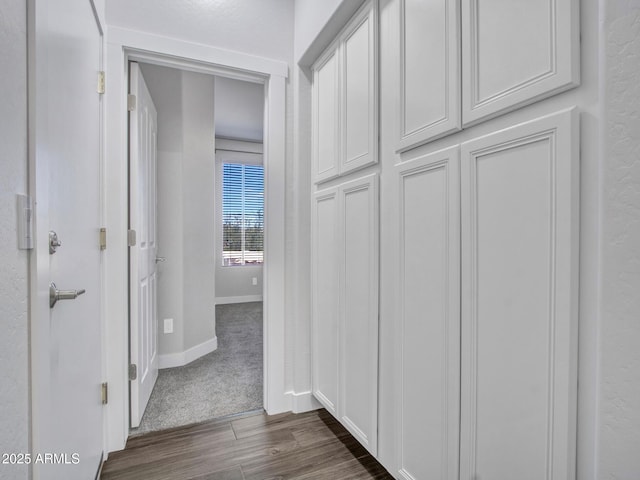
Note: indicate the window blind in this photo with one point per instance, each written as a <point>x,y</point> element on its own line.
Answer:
<point>242,214</point>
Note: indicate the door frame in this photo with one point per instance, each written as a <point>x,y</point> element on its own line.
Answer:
<point>126,45</point>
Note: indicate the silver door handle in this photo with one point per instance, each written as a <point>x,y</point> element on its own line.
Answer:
<point>55,294</point>
<point>161,259</point>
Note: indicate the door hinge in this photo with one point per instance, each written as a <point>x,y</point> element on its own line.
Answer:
<point>131,102</point>
<point>133,371</point>
<point>131,238</point>
<point>105,393</point>
<point>101,83</point>
<point>25,222</point>
<point>103,238</point>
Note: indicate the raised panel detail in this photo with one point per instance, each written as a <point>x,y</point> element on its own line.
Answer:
<point>429,70</point>
<point>325,126</point>
<point>515,53</point>
<point>359,97</point>
<point>429,316</point>
<point>519,303</point>
<point>359,314</point>
<point>325,298</point>
<point>345,98</point>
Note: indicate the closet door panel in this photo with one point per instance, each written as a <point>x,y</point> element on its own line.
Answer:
<point>325,117</point>
<point>519,302</point>
<point>516,53</point>
<point>429,70</point>
<point>326,258</point>
<point>429,317</point>
<point>359,103</point>
<point>359,320</point>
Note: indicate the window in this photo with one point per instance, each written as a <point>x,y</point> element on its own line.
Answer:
<point>242,214</point>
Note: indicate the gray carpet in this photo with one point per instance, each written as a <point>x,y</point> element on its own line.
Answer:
<point>221,383</point>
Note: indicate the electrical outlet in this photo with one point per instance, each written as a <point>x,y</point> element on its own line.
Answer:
<point>168,325</point>
<point>254,281</point>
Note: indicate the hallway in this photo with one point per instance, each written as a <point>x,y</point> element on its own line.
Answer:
<point>451,238</point>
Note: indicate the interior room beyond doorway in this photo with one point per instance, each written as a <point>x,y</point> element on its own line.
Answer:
<point>209,345</point>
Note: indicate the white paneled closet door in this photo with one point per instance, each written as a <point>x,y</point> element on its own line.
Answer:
<point>326,257</point>
<point>326,108</point>
<point>345,305</point>
<point>516,53</point>
<point>520,211</point>
<point>345,98</point>
<point>428,348</point>
<point>359,52</point>
<point>429,70</point>
<point>358,406</point>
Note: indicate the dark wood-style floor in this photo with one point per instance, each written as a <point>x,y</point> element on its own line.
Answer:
<point>310,445</point>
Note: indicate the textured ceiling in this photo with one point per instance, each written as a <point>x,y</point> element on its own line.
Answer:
<point>258,27</point>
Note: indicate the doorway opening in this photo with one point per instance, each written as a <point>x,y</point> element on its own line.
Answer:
<point>125,46</point>
<point>206,203</point>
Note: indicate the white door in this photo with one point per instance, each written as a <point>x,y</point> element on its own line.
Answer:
<point>358,318</point>
<point>65,181</point>
<point>513,56</point>
<point>345,305</point>
<point>427,228</point>
<point>429,100</point>
<point>520,301</point>
<point>359,86</point>
<point>326,106</point>
<point>325,297</point>
<point>142,256</point>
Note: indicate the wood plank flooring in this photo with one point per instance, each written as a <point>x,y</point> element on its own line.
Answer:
<point>257,446</point>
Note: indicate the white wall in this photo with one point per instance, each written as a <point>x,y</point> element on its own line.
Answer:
<point>165,86</point>
<point>198,227</point>
<point>14,345</point>
<point>619,342</point>
<point>186,199</point>
<point>239,109</point>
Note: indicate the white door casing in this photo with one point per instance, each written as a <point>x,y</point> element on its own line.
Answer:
<point>65,144</point>
<point>142,256</point>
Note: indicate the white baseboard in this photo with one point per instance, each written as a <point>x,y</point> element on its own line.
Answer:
<point>170,360</point>
<point>241,299</point>
<point>304,402</point>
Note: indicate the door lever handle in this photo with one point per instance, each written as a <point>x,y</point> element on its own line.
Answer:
<point>161,259</point>
<point>55,294</point>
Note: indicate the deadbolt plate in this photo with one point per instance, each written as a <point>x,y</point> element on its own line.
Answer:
<point>54,242</point>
